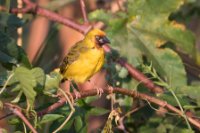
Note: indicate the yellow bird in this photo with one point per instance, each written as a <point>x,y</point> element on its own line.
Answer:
<point>85,58</point>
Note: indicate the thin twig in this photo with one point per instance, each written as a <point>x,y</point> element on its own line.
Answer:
<point>120,6</point>
<point>17,111</point>
<point>121,121</point>
<point>83,10</point>
<point>133,111</point>
<point>71,112</point>
<point>180,106</point>
<point>6,83</point>
<point>5,116</point>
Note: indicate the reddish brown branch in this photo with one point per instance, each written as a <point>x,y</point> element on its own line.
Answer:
<point>17,111</point>
<point>140,77</point>
<point>137,74</point>
<point>83,10</point>
<point>36,9</point>
<point>21,10</point>
<point>58,18</point>
<point>127,92</point>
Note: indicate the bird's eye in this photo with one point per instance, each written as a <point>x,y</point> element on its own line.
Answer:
<point>101,40</point>
<point>97,38</point>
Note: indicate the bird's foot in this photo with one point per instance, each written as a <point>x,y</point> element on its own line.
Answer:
<point>99,91</point>
<point>77,94</point>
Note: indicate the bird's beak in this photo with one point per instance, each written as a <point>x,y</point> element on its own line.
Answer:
<point>105,40</point>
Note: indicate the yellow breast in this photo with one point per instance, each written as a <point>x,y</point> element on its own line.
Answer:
<point>87,64</point>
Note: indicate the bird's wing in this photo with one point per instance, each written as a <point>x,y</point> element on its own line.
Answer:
<point>73,55</point>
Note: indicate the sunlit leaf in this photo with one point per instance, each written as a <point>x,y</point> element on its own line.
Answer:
<point>26,83</point>
<point>190,91</point>
<point>40,77</point>
<point>52,82</point>
<point>166,61</point>
<point>147,17</point>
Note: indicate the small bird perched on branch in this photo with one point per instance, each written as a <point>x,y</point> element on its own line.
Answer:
<point>85,58</point>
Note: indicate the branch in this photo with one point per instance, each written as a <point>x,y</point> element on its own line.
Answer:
<point>36,9</point>
<point>83,10</point>
<point>136,74</point>
<point>17,111</point>
<point>127,92</point>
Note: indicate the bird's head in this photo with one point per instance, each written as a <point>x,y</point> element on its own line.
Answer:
<point>97,36</point>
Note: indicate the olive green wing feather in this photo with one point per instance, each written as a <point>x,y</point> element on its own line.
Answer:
<point>73,55</point>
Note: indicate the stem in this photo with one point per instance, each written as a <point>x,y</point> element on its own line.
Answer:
<point>180,106</point>
<point>17,111</point>
<point>6,83</point>
<point>70,114</point>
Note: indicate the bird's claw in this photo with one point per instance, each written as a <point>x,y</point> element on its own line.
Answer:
<point>77,94</point>
<point>99,91</point>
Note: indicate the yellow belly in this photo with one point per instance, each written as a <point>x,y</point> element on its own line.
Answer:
<point>85,66</point>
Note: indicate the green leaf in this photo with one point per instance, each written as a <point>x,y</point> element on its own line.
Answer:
<point>123,73</point>
<point>10,53</point>
<point>125,101</point>
<point>147,16</point>
<point>97,111</point>
<point>114,22</point>
<point>26,83</point>
<point>52,82</point>
<point>50,117</point>
<point>190,91</point>
<point>123,41</point>
<point>165,61</point>
<point>78,124</point>
<point>100,15</point>
<point>171,100</point>
<point>90,99</point>
<point>151,7</point>
<point>14,121</point>
<point>8,20</point>
<point>40,77</point>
